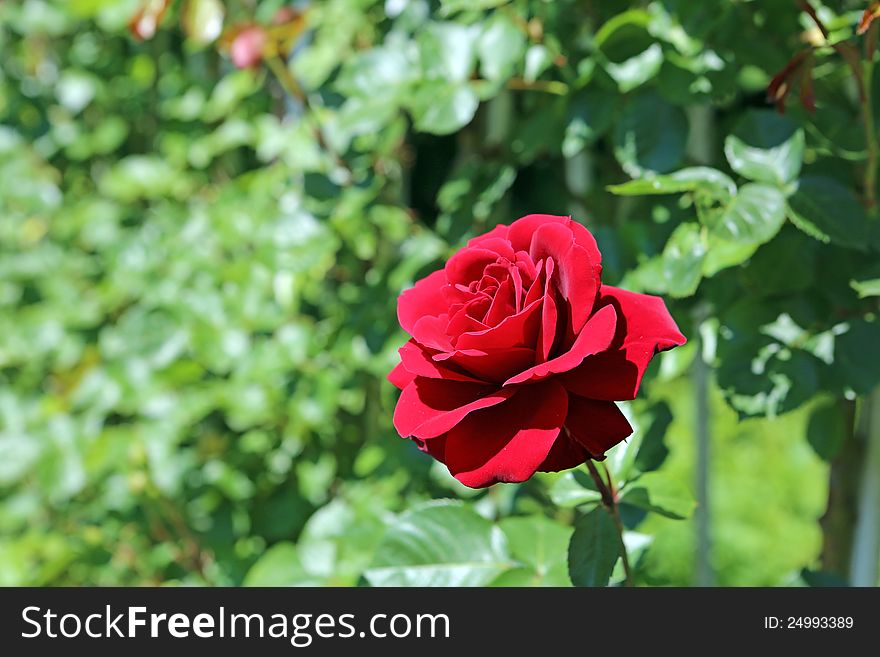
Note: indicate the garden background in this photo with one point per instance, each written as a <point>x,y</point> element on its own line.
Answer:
<point>208,209</point>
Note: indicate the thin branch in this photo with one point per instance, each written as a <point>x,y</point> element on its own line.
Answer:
<point>609,499</point>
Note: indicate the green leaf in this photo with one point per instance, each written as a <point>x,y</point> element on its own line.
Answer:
<point>449,7</point>
<point>589,117</point>
<point>575,488</point>
<point>856,354</point>
<point>538,58</point>
<point>866,288</point>
<point>683,259</point>
<point>830,212</point>
<point>651,136</point>
<point>541,545</point>
<point>721,254</point>
<point>690,179</point>
<point>657,492</point>
<point>629,53</point>
<point>766,147</point>
<point>501,47</point>
<point>594,549</point>
<point>637,70</point>
<point>826,430</point>
<point>441,543</point>
<point>441,108</point>
<point>202,20</point>
<point>446,51</point>
<point>280,566</point>
<point>653,451</point>
<point>753,216</point>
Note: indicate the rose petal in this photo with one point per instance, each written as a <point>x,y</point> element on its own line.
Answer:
<point>644,328</point>
<point>502,305</point>
<point>520,330</point>
<point>549,320</point>
<point>597,425</point>
<point>521,231</point>
<point>431,332</point>
<point>419,362</point>
<point>436,447</point>
<point>494,365</point>
<point>430,407</point>
<point>508,442</point>
<point>498,232</point>
<point>425,299</point>
<point>577,274</point>
<point>400,376</point>
<point>595,337</point>
<point>565,454</point>
<point>499,245</point>
<point>468,264</point>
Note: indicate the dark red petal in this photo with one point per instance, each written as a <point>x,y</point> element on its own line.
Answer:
<point>430,407</point>
<point>419,362</point>
<point>565,454</point>
<point>521,231</point>
<point>644,328</point>
<point>597,425</point>
<point>431,332</point>
<point>468,264</point>
<point>495,365</point>
<point>508,442</point>
<point>520,330</point>
<point>400,377</point>
<point>425,299</point>
<point>436,447</point>
<point>549,321</point>
<point>577,272</point>
<point>595,337</point>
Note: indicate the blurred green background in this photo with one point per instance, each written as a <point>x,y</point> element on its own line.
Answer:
<point>208,209</point>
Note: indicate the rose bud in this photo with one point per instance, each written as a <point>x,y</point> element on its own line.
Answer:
<point>518,353</point>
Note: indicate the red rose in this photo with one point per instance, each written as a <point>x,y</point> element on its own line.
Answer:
<point>518,353</point>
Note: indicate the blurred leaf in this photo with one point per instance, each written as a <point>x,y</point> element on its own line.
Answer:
<point>449,7</point>
<point>590,114</point>
<point>447,51</point>
<point>683,259</point>
<point>202,20</point>
<point>440,543</point>
<point>829,212</point>
<point>653,451</point>
<point>279,566</point>
<point>826,431</point>
<point>657,492</point>
<point>766,147</point>
<point>650,136</point>
<point>684,180</point>
<point>442,108</point>
<point>537,60</point>
<point>541,545</point>
<point>594,549</point>
<point>501,47</point>
<point>856,354</point>
<point>867,288</point>
<point>574,488</point>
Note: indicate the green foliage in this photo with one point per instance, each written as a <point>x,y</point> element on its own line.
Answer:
<point>199,268</point>
<point>594,549</point>
<point>440,544</point>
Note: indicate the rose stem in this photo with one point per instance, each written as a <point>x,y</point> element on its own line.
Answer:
<point>609,499</point>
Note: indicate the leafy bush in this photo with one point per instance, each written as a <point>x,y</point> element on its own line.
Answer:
<point>200,265</point>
